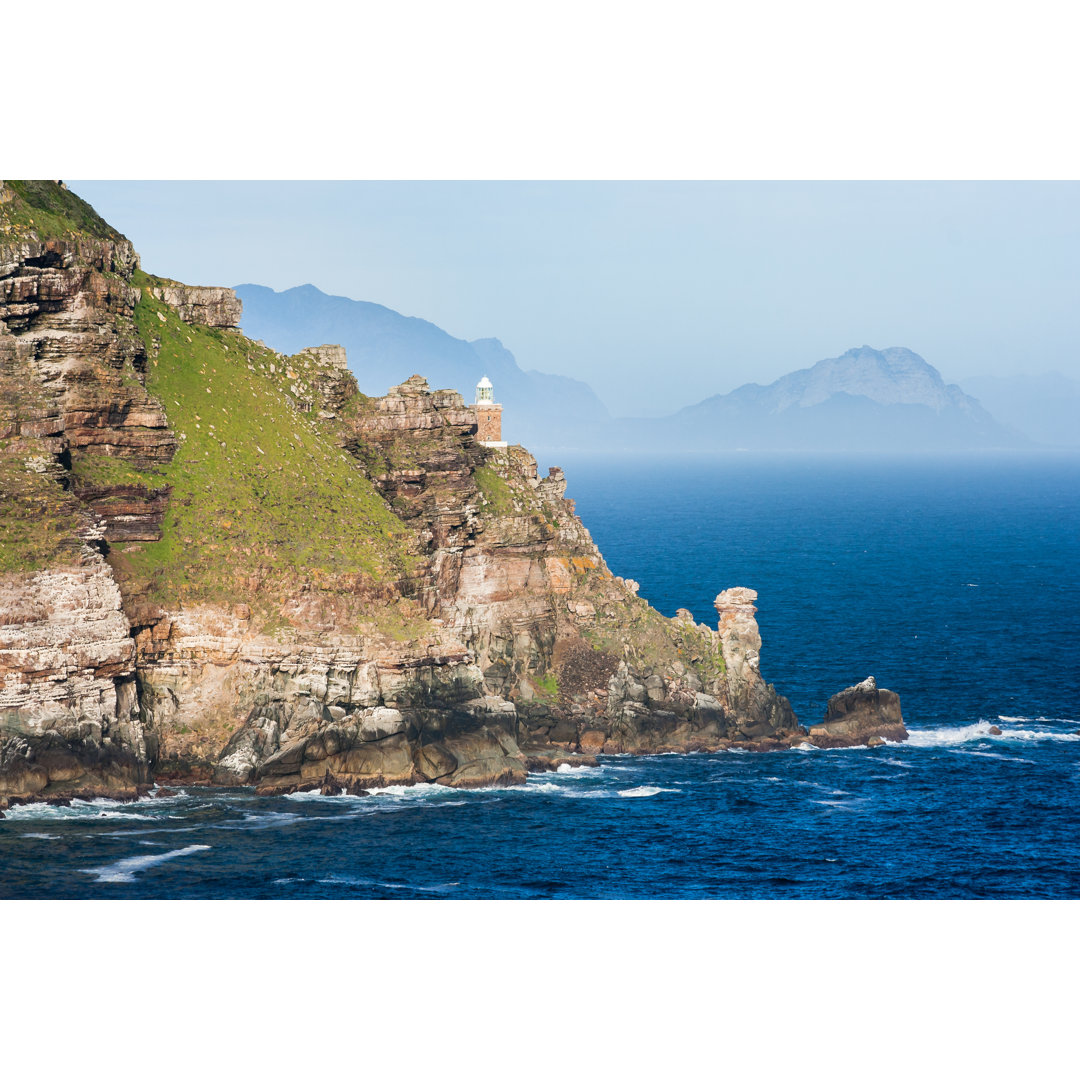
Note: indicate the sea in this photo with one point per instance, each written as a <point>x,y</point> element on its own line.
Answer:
<point>953,580</point>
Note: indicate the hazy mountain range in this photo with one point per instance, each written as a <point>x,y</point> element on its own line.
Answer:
<point>384,348</point>
<point>866,399</point>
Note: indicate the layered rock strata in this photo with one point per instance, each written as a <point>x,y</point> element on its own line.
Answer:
<point>201,305</point>
<point>504,642</point>
<point>69,714</point>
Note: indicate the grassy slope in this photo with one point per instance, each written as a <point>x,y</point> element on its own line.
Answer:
<point>498,497</point>
<point>259,497</point>
<point>39,521</point>
<point>44,208</point>
<point>260,501</point>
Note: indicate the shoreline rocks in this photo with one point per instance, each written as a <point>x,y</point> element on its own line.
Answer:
<point>502,644</point>
<point>861,715</point>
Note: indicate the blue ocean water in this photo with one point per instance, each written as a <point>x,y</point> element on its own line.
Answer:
<point>954,581</point>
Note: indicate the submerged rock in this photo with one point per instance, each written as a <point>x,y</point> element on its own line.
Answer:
<point>859,714</point>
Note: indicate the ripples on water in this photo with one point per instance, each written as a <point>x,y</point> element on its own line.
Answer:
<point>948,814</point>
<point>955,585</point>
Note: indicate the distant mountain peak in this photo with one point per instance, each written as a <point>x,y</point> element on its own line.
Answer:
<point>864,399</point>
<point>893,376</point>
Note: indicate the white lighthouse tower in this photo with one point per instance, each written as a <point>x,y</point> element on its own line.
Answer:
<point>488,416</point>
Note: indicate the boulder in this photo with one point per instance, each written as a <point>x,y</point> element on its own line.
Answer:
<point>856,715</point>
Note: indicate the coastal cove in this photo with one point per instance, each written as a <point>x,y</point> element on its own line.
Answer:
<point>952,580</point>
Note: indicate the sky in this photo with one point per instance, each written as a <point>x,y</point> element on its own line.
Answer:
<point>656,294</point>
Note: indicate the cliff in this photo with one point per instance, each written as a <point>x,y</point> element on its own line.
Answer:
<point>224,565</point>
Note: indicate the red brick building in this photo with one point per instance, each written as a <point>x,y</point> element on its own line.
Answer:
<point>488,415</point>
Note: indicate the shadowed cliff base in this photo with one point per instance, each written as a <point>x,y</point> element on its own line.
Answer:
<point>254,574</point>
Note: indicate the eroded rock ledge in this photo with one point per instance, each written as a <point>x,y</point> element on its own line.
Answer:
<point>506,644</point>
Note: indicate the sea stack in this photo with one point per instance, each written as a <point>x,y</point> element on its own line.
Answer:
<point>861,715</point>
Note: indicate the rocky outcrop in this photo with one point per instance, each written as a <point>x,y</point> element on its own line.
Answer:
<point>236,706</point>
<point>201,305</point>
<point>71,360</point>
<point>499,642</point>
<point>861,715</point>
<point>589,666</point>
<point>128,512</point>
<point>69,715</point>
<point>330,380</point>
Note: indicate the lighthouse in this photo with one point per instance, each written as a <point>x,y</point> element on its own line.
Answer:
<point>488,416</point>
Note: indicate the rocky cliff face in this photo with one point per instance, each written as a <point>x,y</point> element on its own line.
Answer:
<point>223,565</point>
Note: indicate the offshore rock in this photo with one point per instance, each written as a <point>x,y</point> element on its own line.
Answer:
<point>763,711</point>
<point>859,714</point>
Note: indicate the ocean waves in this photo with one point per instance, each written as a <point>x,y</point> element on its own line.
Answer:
<point>1029,730</point>
<point>124,870</point>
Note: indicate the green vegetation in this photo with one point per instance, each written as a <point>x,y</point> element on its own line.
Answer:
<point>699,648</point>
<point>401,620</point>
<point>260,498</point>
<point>50,211</point>
<point>39,521</point>
<point>496,492</point>
<point>546,685</point>
<point>104,471</point>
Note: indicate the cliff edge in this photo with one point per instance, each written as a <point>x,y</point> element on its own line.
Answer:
<point>224,565</point>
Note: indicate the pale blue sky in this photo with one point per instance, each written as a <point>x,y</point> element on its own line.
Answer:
<point>657,294</point>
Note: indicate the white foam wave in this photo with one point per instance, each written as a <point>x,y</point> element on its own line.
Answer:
<point>268,819</point>
<point>41,836</point>
<point>841,804</point>
<point>990,754</point>
<point>566,769</point>
<point>1039,720</point>
<point>317,796</point>
<point>78,809</point>
<point>386,884</point>
<point>546,786</point>
<point>805,746</point>
<point>126,869</point>
<point>959,734</point>
<point>567,791</point>
<point>642,792</point>
<point>156,796</point>
<point>420,791</point>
